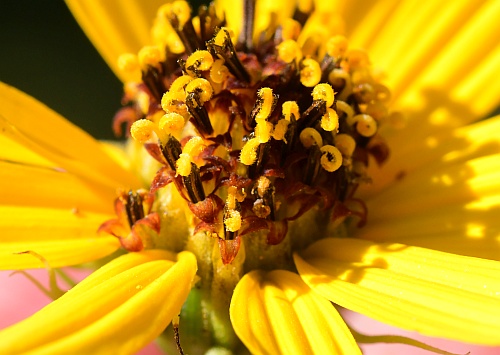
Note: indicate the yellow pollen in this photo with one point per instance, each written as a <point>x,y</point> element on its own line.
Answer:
<point>172,123</point>
<point>323,92</point>
<point>263,184</point>
<point>192,148</point>
<point>232,220</point>
<point>199,60</point>
<point>345,144</point>
<point>183,165</point>
<point>290,29</point>
<point>290,108</point>
<point>365,124</point>
<point>248,154</point>
<point>128,63</point>
<point>231,197</point>
<point>181,10</point>
<point>142,130</point>
<point>222,36</point>
<point>280,130</point>
<point>267,97</point>
<point>180,83</point>
<point>202,87</point>
<point>309,137</point>
<point>219,72</point>
<point>289,50</point>
<point>310,74</point>
<point>330,120</point>
<point>337,46</point>
<point>331,159</point>
<point>263,131</point>
<point>149,56</point>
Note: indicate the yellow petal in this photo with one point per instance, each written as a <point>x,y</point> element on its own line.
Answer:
<point>36,127</point>
<point>276,313</point>
<point>116,26</point>
<point>434,293</point>
<point>120,313</point>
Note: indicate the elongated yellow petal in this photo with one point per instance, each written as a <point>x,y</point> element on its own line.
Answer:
<point>119,313</point>
<point>276,313</point>
<point>434,293</point>
<point>41,130</point>
<point>116,27</point>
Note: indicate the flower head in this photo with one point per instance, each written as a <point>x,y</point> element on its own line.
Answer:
<point>270,136</point>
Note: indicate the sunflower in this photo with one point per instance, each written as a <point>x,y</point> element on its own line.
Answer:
<point>270,179</point>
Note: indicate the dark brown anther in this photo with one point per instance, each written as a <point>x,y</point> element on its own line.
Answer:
<point>291,139</point>
<point>193,185</point>
<point>312,115</point>
<point>171,151</point>
<point>228,53</point>
<point>256,168</point>
<point>153,80</point>
<point>251,123</point>
<point>245,41</point>
<point>200,115</point>
<point>312,166</point>
<point>134,207</point>
<point>187,35</point>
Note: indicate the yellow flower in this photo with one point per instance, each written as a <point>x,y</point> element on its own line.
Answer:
<point>259,197</point>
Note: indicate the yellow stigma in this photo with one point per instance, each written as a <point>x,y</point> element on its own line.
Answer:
<point>222,36</point>
<point>232,220</point>
<point>310,74</point>
<point>149,56</point>
<point>289,50</point>
<point>345,144</point>
<point>365,124</point>
<point>172,123</point>
<point>331,159</point>
<point>309,137</point>
<point>219,72</point>
<point>142,130</point>
<point>180,83</point>
<point>290,29</point>
<point>199,61</point>
<point>290,108</point>
<point>267,103</point>
<point>263,131</point>
<point>357,59</point>
<point>183,165</point>
<point>248,154</point>
<point>181,10</point>
<point>202,87</point>
<point>323,92</point>
<point>128,63</point>
<point>337,46</point>
<point>330,120</point>
<point>346,108</point>
<point>192,148</point>
<point>280,130</point>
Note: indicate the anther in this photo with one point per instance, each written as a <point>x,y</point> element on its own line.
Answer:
<point>331,158</point>
<point>134,207</point>
<point>312,166</point>
<point>222,46</point>
<point>264,106</point>
<point>179,16</point>
<point>197,62</point>
<point>310,74</point>
<point>149,58</point>
<point>198,92</point>
<point>171,150</point>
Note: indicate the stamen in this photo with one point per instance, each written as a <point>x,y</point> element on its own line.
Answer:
<point>346,108</point>
<point>143,130</point>
<point>171,151</point>
<point>248,154</point>
<point>290,29</point>
<point>323,92</point>
<point>330,120</point>
<point>289,51</point>
<point>312,166</point>
<point>265,190</point>
<point>222,46</point>
<point>280,130</point>
<point>199,61</point>
<point>219,72</point>
<point>128,63</point>
<point>193,185</point>
<point>310,74</point>
<point>246,36</point>
<point>232,220</point>
<point>309,137</point>
<point>290,108</point>
<point>192,148</point>
<point>365,124</point>
<point>198,92</point>
<point>345,144</point>
<point>172,123</point>
<point>179,16</point>
<point>337,46</point>
<point>264,106</point>
<point>331,158</point>
<point>134,207</point>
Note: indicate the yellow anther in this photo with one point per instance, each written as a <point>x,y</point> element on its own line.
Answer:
<point>263,131</point>
<point>183,164</point>
<point>219,72</point>
<point>232,220</point>
<point>180,83</point>
<point>289,50</point>
<point>142,130</point>
<point>199,60</point>
<point>171,123</point>
<point>280,130</point>
<point>222,36</point>
<point>343,106</point>
<point>128,63</point>
<point>331,159</point>
<point>330,120</point>
<point>323,92</point>
<point>267,103</point>
<point>149,56</point>
<point>365,124</point>
<point>290,108</point>
<point>310,74</point>
<point>290,29</point>
<point>309,137</point>
<point>248,154</point>
<point>345,144</point>
<point>181,10</point>
<point>337,46</point>
<point>202,87</point>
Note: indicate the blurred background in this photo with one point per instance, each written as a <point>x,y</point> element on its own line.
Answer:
<point>44,53</point>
